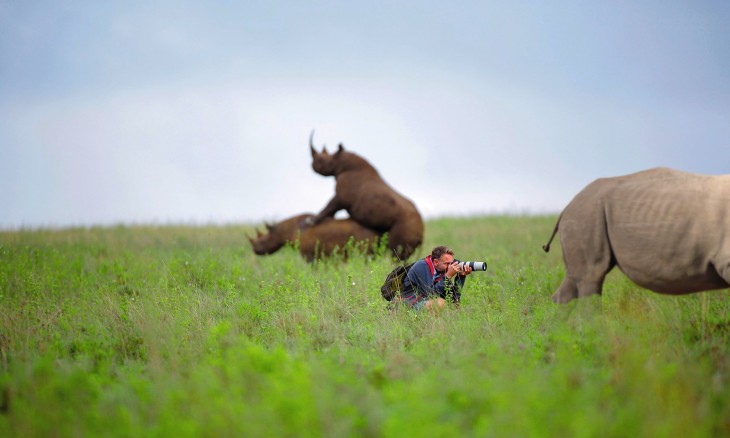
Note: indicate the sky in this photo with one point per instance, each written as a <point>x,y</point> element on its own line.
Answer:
<point>178,112</point>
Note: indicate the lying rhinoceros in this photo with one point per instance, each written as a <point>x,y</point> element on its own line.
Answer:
<point>315,241</point>
<point>667,230</point>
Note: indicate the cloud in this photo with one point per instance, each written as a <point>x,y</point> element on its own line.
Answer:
<point>188,113</point>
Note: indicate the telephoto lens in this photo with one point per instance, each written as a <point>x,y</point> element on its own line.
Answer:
<point>475,266</point>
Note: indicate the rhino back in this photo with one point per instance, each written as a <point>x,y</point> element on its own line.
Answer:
<point>331,234</point>
<point>667,227</point>
<point>372,202</point>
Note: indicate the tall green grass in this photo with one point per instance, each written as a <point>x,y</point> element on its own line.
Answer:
<point>183,331</point>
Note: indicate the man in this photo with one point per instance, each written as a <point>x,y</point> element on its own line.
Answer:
<point>432,280</point>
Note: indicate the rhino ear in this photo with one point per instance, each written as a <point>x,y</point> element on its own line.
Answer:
<point>340,148</point>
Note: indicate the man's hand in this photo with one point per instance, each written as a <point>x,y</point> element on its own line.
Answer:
<point>454,269</point>
<point>466,271</point>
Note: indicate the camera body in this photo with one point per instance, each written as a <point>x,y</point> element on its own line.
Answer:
<point>475,266</point>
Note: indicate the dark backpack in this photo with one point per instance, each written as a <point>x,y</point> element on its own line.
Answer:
<point>393,284</point>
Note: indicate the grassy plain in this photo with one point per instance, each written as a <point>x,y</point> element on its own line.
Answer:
<point>183,331</point>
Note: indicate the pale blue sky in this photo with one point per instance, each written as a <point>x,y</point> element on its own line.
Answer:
<point>187,112</point>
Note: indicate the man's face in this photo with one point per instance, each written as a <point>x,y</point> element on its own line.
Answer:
<point>442,263</point>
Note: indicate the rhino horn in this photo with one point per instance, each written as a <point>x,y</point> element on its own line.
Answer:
<point>311,144</point>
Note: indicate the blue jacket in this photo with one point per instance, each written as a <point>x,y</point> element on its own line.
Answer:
<point>423,281</point>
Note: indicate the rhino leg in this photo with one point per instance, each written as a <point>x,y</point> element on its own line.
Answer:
<point>329,210</point>
<point>307,253</point>
<point>569,290</point>
<point>403,247</point>
<point>587,255</point>
<point>723,269</point>
<point>566,291</point>
<point>309,245</point>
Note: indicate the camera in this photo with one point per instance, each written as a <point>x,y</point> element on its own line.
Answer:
<point>475,266</point>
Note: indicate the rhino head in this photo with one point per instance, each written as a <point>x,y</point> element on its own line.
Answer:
<point>324,163</point>
<point>279,234</point>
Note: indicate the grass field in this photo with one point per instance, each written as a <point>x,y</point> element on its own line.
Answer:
<point>183,331</point>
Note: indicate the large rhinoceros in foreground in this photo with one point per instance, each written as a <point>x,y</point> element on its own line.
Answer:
<point>667,230</point>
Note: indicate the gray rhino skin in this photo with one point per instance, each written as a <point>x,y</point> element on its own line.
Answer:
<point>667,230</point>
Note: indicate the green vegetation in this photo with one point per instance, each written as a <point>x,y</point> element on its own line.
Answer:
<point>183,331</point>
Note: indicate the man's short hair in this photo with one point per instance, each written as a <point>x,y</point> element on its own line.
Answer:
<point>439,251</point>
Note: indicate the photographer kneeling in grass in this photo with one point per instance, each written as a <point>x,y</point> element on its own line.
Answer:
<point>433,280</point>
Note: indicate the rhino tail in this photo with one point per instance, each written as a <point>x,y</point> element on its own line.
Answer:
<point>546,247</point>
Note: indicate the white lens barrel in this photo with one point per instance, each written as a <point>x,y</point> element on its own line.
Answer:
<point>478,266</point>
<point>475,266</point>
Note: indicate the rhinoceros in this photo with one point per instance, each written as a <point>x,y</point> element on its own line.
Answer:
<point>667,230</point>
<point>368,199</point>
<point>315,241</point>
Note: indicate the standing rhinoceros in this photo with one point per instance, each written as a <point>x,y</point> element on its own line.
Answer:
<point>368,199</point>
<point>667,230</point>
